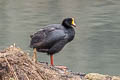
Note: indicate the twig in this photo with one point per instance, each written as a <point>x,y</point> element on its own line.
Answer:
<point>15,75</point>
<point>26,76</point>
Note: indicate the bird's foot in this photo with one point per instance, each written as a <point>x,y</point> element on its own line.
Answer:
<point>62,67</point>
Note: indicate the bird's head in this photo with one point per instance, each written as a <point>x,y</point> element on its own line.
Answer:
<point>69,22</point>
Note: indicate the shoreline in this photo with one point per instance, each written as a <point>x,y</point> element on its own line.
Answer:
<point>15,64</point>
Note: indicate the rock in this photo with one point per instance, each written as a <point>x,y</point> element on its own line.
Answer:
<point>15,64</point>
<point>97,76</point>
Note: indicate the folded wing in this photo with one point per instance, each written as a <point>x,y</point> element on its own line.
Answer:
<point>45,38</point>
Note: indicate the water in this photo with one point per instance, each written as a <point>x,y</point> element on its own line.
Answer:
<point>96,47</point>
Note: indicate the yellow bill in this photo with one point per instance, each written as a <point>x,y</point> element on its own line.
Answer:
<point>73,22</point>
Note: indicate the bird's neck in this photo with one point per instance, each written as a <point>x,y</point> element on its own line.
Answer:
<point>71,34</point>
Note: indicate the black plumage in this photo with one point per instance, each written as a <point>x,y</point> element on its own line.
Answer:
<point>52,38</point>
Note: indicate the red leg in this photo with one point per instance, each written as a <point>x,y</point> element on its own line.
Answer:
<point>51,59</point>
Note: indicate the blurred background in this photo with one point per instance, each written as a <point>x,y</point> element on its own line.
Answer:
<point>96,47</point>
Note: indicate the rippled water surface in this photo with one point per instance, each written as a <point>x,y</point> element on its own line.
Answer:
<point>96,47</point>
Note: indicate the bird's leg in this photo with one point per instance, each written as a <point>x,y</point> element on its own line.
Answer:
<point>64,68</point>
<point>51,59</point>
<point>34,55</point>
<point>52,63</point>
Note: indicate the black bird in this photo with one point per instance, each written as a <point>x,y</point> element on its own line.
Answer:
<point>53,38</point>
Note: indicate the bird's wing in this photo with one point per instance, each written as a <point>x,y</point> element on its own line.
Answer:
<point>47,36</point>
<point>58,46</point>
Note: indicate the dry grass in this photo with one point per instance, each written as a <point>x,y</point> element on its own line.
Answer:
<point>17,65</point>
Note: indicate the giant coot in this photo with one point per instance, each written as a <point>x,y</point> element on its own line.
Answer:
<point>52,38</point>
